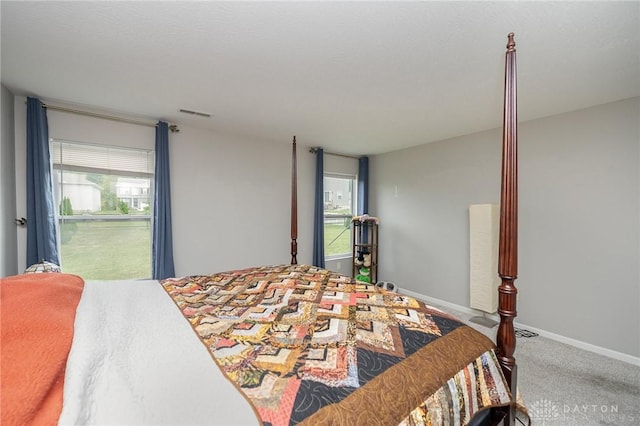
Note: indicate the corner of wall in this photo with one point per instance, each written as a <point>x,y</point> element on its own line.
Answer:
<point>8,232</point>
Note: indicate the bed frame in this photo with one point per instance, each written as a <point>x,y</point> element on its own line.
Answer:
<point>508,240</point>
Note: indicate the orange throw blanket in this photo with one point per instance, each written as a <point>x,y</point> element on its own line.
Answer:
<point>37,314</point>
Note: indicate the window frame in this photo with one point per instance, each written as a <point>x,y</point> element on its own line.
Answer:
<point>353,178</point>
<point>59,167</point>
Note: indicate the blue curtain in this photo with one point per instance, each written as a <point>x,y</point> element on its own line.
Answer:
<point>162,237</point>
<point>363,186</point>
<point>318,217</point>
<point>42,235</point>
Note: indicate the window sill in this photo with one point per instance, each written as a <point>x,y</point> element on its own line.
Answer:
<point>337,257</point>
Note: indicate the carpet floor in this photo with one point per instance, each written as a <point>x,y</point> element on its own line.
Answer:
<point>563,385</point>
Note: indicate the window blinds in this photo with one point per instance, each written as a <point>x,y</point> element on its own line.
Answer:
<point>86,157</point>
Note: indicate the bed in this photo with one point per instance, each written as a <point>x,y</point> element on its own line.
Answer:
<point>273,345</point>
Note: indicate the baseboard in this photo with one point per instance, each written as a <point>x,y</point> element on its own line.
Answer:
<point>553,336</point>
<point>583,345</point>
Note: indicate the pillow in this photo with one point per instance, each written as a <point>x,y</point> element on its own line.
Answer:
<point>43,266</point>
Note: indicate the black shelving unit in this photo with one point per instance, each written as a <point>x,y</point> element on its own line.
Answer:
<point>365,248</point>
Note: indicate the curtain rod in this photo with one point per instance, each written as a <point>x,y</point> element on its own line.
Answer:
<point>173,127</point>
<point>314,150</point>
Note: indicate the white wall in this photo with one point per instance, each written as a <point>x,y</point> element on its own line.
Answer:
<point>230,196</point>
<point>579,220</point>
<point>8,232</point>
<point>231,201</point>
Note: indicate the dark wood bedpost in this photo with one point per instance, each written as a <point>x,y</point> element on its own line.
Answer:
<point>508,260</point>
<point>294,205</point>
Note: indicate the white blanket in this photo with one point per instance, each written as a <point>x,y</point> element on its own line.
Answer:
<point>135,360</point>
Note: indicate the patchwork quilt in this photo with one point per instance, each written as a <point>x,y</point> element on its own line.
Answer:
<point>309,346</point>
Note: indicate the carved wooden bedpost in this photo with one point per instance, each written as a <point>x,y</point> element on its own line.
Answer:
<point>508,260</point>
<point>294,205</point>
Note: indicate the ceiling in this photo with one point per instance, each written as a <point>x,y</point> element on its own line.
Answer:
<point>352,77</point>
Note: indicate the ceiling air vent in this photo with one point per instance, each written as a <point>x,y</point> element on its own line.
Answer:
<point>201,114</point>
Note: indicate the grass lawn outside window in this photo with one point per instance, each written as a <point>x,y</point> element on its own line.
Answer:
<point>106,249</point>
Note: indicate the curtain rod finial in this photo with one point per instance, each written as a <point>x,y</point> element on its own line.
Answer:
<point>511,44</point>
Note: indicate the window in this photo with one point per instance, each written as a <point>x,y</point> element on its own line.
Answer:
<point>103,195</point>
<point>339,208</point>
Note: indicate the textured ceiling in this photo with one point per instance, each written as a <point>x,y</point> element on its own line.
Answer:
<point>353,77</point>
